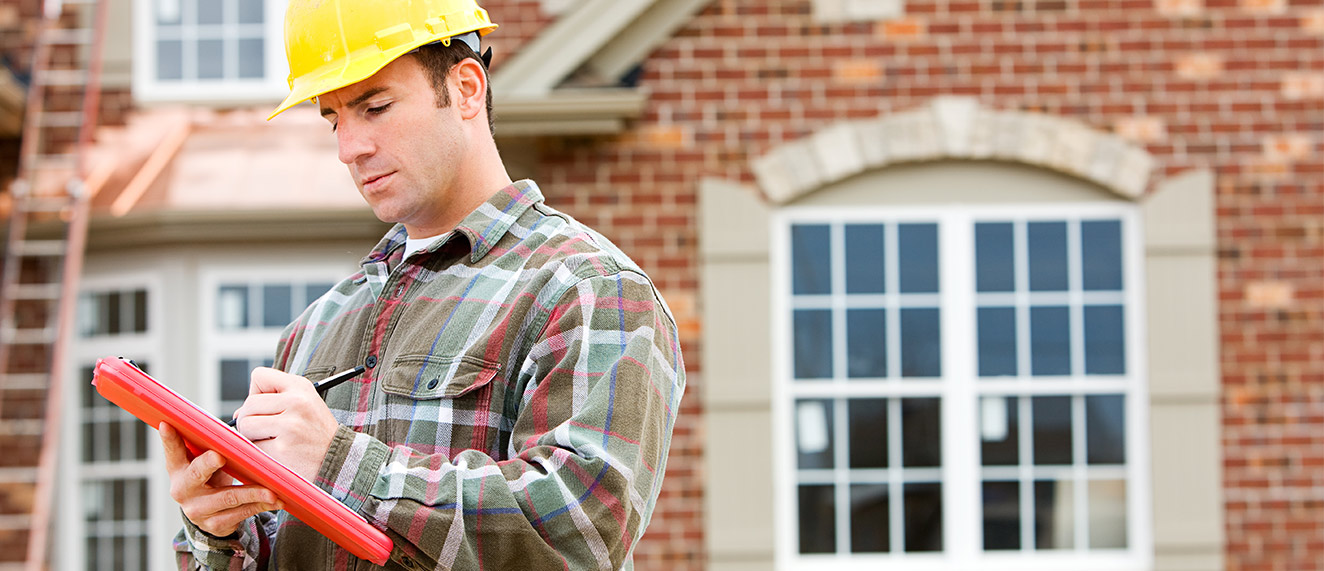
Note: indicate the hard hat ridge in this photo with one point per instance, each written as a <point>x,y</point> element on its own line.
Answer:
<point>334,43</point>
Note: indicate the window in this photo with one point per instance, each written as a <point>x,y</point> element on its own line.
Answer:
<point>110,447</point>
<point>248,319</point>
<point>962,387</point>
<point>210,50</point>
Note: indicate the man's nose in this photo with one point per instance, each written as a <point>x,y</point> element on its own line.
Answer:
<point>353,143</point>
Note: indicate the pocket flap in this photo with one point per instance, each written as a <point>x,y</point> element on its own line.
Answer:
<point>422,377</point>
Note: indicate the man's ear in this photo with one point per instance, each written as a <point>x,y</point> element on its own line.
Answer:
<point>470,82</point>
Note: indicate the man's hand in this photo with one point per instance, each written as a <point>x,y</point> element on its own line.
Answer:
<point>207,495</point>
<point>287,419</point>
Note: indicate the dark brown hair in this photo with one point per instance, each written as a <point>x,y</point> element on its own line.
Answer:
<point>438,59</point>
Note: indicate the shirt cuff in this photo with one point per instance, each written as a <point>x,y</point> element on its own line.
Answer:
<point>353,463</point>
<point>207,549</point>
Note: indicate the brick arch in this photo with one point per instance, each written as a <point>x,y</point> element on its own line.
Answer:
<point>953,128</point>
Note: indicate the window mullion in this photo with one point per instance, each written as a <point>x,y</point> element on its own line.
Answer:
<point>960,412</point>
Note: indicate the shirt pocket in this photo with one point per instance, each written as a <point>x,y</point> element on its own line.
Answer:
<point>427,377</point>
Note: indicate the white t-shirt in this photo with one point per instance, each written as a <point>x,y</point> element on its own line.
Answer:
<point>415,244</point>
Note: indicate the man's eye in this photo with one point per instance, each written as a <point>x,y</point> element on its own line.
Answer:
<point>378,109</point>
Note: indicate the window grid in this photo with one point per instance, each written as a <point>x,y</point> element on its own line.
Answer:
<point>1093,483</point>
<point>234,56</point>
<point>896,476</point>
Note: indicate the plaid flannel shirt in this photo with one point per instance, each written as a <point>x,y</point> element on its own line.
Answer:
<point>524,378</point>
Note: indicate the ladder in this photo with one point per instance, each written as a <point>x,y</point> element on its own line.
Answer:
<point>43,255</point>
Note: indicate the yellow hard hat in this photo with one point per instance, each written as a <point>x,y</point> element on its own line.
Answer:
<point>334,43</point>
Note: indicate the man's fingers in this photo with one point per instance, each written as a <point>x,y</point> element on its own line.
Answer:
<point>176,455</point>
<point>268,380</point>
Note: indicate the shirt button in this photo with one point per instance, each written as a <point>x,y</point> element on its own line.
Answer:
<point>399,290</point>
<point>433,383</point>
<point>370,362</point>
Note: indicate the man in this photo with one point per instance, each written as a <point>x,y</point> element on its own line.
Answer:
<point>523,375</point>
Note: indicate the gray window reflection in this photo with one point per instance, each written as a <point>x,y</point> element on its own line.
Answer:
<point>277,305</point>
<point>865,258</point>
<point>921,431</point>
<point>813,434</point>
<point>921,343</point>
<point>997,341</point>
<point>923,516</point>
<point>868,433</point>
<point>1105,429</point>
<point>252,58</point>
<point>870,518</point>
<point>211,59</point>
<point>169,60</point>
<point>250,11</point>
<point>813,343</point>
<point>1105,343</point>
<point>1054,515</point>
<point>999,431</point>
<point>1050,341</point>
<point>1052,430</point>
<point>818,514</point>
<point>1101,253</point>
<point>1002,515</point>
<point>918,257</point>
<point>866,343</point>
<point>811,269</point>
<point>995,268</point>
<point>1047,243</point>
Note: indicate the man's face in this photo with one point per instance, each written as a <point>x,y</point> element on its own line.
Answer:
<point>402,150</point>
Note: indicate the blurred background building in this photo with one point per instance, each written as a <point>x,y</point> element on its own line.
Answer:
<point>962,284</point>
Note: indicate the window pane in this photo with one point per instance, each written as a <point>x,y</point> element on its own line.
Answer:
<point>923,516</point>
<point>1002,515</point>
<point>1048,255</point>
<point>1105,346</point>
<point>209,11</point>
<point>1052,430</point>
<point>864,258</point>
<point>234,379</point>
<point>818,512</point>
<point>114,313</point>
<point>921,343</point>
<point>813,343</point>
<point>140,439</point>
<point>169,60</point>
<point>250,11</point>
<point>1105,429</point>
<point>999,431</point>
<point>314,291</point>
<point>1054,515</point>
<point>1101,254</point>
<point>813,434</point>
<point>995,268</point>
<point>140,311</point>
<point>277,306</point>
<point>232,307</point>
<point>921,432</point>
<point>868,433</point>
<point>1050,341</point>
<point>870,519</point>
<point>252,59</point>
<point>211,59</point>
<point>1107,514</point>
<point>811,262</point>
<point>918,253</point>
<point>997,341</point>
<point>167,11</point>
<point>866,343</point>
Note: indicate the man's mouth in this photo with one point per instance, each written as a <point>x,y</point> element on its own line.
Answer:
<point>374,181</point>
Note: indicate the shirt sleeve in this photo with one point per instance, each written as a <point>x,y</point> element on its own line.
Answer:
<point>247,549</point>
<point>598,396</point>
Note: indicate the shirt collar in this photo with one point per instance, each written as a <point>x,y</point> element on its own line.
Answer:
<point>483,227</point>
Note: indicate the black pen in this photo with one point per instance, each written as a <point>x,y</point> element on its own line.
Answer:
<point>323,385</point>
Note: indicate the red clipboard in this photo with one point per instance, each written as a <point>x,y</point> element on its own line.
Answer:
<point>152,402</point>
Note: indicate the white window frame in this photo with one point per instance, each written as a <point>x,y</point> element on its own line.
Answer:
<point>252,342</point>
<point>84,351</point>
<point>960,389</point>
<point>147,88</point>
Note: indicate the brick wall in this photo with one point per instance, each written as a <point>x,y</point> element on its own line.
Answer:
<point>1236,86</point>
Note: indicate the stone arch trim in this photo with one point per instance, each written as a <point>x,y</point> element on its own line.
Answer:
<point>953,128</point>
